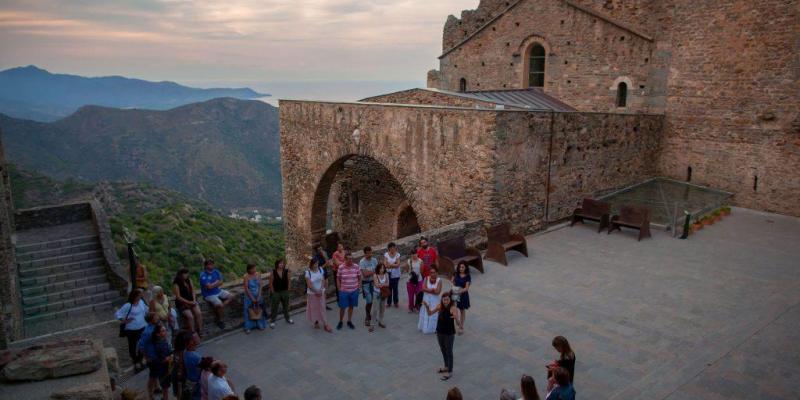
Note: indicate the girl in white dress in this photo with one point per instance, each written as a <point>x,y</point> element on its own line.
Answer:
<point>431,288</point>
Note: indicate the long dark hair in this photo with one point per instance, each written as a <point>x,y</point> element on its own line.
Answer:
<point>133,295</point>
<point>378,268</point>
<point>561,344</point>
<point>183,283</point>
<point>528,387</point>
<point>466,268</point>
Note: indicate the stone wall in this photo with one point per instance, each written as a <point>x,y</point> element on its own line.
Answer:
<point>10,309</point>
<point>588,55</point>
<point>43,217</point>
<point>733,109</point>
<point>441,158</point>
<point>724,74</point>
<point>587,154</point>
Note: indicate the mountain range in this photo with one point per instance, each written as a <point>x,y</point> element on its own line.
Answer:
<point>34,93</point>
<point>223,151</point>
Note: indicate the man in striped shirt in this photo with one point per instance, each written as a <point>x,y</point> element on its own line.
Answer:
<point>349,279</point>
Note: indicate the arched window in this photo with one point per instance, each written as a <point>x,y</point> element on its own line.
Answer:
<point>536,66</point>
<point>462,85</point>
<point>622,94</point>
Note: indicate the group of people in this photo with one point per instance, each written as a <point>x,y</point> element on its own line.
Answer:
<point>560,375</point>
<point>175,362</point>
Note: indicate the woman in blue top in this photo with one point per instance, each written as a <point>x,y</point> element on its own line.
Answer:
<point>159,357</point>
<point>253,300</point>
<point>462,280</point>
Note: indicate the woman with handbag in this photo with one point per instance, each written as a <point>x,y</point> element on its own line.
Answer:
<point>461,283</point>
<point>132,324</point>
<point>413,286</point>
<point>316,283</point>
<point>253,301</point>
<point>380,281</point>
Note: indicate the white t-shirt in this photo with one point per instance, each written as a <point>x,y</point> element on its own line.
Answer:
<point>218,388</point>
<point>316,279</point>
<point>393,272</point>
<point>382,279</point>
<point>137,314</point>
<point>415,266</point>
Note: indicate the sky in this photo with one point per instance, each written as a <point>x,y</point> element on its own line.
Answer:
<point>228,42</point>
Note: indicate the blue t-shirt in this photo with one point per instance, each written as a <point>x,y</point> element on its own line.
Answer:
<point>209,277</point>
<point>145,338</point>
<point>191,360</point>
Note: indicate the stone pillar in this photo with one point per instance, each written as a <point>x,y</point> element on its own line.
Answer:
<point>10,312</point>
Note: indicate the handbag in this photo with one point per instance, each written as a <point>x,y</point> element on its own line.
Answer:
<point>385,292</point>
<point>122,324</point>
<point>255,312</point>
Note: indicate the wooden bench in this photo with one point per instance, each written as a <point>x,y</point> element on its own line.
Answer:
<point>592,210</point>
<point>632,217</point>
<point>501,240</point>
<point>455,250</point>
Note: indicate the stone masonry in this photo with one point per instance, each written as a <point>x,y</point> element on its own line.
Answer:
<point>723,73</point>
<point>10,310</point>
<point>453,164</point>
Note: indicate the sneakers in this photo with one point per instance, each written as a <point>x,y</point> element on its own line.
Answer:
<point>339,326</point>
<point>272,325</point>
<point>290,322</point>
<point>350,325</point>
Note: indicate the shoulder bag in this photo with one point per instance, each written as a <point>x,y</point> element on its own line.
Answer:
<point>122,325</point>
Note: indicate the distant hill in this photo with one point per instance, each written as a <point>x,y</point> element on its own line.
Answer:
<point>223,151</point>
<point>32,189</point>
<point>36,94</point>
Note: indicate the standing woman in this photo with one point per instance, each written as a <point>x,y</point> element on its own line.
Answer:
<point>253,301</point>
<point>463,281</point>
<point>337,259</point>
<point>414,281</point>
<point>392,260</point>
<point>448,318</point>
<point>565,360</point>
<point>431,288</point>
<point>132,315</point>
<point>159,304</point>
<point>279,292</point>
<point>186,302</point>
<point>380,281</point>
<point>316,283</point>
<point>325,264</point>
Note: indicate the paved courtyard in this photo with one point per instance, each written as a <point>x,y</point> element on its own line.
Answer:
<point>713,317</point>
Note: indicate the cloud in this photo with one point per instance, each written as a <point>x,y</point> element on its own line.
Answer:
<point>249,39</point>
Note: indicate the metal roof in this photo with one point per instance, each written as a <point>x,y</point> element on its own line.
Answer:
<point>531,98</point>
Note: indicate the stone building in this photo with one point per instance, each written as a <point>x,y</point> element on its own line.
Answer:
<point>538,103</point>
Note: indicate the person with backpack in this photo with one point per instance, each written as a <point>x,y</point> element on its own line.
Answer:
<point>316,285</point>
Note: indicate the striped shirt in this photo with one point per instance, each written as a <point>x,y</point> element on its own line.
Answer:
<point>349,276</point>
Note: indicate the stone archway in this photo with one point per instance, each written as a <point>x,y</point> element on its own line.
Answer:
<point>358,198</point>
<point>406,223</point>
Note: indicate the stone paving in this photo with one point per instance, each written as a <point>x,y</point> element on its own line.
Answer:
<point>713,317</point>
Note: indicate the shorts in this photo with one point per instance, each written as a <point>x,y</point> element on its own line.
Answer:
<point>159,371</point>
<point>216,300</point>
<point>367,289</point>
<point>348,299</point>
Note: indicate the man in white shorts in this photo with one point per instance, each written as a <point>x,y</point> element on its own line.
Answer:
<point>210,288</point>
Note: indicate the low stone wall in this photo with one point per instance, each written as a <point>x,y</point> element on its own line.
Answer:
<point>43,217</point>
<point>117,276</point>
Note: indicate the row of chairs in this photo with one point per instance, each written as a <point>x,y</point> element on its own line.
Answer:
<point>500,240</point>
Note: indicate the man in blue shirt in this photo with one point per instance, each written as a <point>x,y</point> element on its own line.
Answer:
<point>191,360</point>
<point>210,288</point>
<point>367,265</point>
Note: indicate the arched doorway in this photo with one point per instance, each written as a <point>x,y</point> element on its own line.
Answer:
<point>406,223</point>
<point>357,199</point>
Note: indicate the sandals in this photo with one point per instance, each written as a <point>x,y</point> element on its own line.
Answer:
<point>442,370</point>
<point>328,329</point>
<point>446,377</point>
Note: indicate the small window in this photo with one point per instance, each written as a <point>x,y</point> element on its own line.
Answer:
<point>622,94</point>
<point>462,85</point>
<point>536,66</point>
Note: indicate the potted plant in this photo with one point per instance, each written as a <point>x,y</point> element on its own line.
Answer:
<point>697,225</point>
<point>716,215</point>
<point>707,220</point>
<point>725,211</point>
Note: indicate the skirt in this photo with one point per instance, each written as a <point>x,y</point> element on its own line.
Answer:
<point>315,308</point>
<point>427,323</point>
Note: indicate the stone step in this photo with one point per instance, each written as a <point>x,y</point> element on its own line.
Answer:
<point>58,251</point>
<point>59,260</point>
<point>61,268</point>
<point>23,248</point>
<point>106,306</point>
<point>67,304</point>
<point>80,282</point>
<point>51,297</point>
<point>39,280</point>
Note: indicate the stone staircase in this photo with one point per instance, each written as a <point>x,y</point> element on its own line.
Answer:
<point>63,281</point>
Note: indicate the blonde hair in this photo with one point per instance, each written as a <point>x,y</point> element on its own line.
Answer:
<point>157,290</point>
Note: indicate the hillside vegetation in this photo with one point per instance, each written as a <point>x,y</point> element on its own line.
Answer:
<point>181,235</point>
<point>224,151</point>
